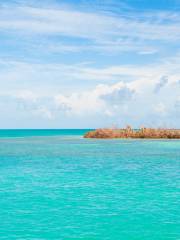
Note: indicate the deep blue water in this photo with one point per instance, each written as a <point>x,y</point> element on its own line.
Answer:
<point>56,185</point>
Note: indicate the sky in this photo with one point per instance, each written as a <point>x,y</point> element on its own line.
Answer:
<point>89,64</point>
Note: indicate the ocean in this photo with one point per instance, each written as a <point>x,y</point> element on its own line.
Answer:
<point>54,184</point>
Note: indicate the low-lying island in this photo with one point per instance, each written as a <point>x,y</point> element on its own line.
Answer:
<point>128,132</point>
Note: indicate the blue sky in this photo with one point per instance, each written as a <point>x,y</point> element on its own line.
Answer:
<point>88,64</point>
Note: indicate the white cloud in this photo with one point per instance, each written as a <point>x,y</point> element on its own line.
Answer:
<point>39,90</point>
<point>160,108</point>
<point>43,112</point>
<point>95,101</point>
<point>47,76</point>
<point>118,94</point>
<point>26,95</point>
<point>161,83</point>
<point>84,83</point>
<point>128,102</point>
<point>123,32</point>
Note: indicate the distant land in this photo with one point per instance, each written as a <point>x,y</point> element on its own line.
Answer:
<point>128,132</point>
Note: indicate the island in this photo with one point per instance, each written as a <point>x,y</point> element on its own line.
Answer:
<point>129,132</point>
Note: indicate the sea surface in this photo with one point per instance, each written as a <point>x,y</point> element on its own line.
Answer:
<point>56,185</point>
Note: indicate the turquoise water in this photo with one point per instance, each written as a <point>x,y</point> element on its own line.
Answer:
<point>57,185</point>
<point>41,132</point>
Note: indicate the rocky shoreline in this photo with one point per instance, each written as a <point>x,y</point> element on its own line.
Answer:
<point>128,132</point>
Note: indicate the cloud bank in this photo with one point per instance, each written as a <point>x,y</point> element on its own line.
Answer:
<point>83,65</point>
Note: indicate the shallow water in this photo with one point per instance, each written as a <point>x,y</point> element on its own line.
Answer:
<point>57,185</point>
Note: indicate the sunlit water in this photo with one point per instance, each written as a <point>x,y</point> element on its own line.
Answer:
<point>57,185</point>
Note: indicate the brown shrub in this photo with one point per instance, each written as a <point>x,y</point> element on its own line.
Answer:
<point>128,132</point>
